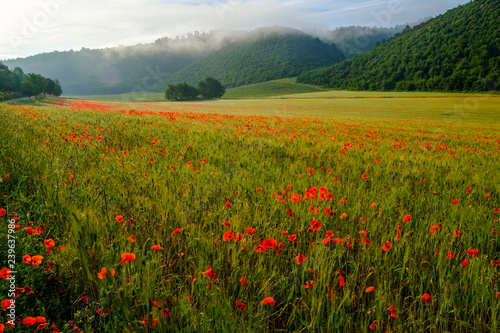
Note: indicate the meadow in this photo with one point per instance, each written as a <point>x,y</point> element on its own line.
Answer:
<point>315,212</point>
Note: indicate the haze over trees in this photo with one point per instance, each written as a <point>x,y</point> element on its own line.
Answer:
<point>457,51</point>
<point>147,67</point>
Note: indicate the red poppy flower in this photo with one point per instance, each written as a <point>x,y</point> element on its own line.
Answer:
<point>132,239</point>
<point>292,238</point>
<point>5,304</point>
<point>249,230</point>
<point>176,231</point>
<point>104,273</point>
<point>341,281</point>
<point>227,236</point>
<point>210,273</point>
<point>465,262</point>
<point>227,204</point>
<point>472,253</point>
<point>407,218</point>
<point>289,212</point>
<point>392,309</point>
<point>35,260</point>
<point>468,190</point>
<point>243,281</point>
<point>268,300</point>
<point>2,211</point>
<point>127,257</point>
<point>454,201</point>
<point>315,225</point>
<point>457,233</point>
<point>451,255</point>
<point>363,176</point>
<point>300,258</point>
<point>369,290</point>
<point>156,247</point>
<point>85,300</point>
<point>29,321</point>
<point>426,298</point>
<point>119,218</point>
<point>165,313</point>
<point>241,306</point>
<point>5,273</point>
<point>269,243</point>
<point>387,247</point>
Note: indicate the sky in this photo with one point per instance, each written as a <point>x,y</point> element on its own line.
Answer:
<point>29,27</point>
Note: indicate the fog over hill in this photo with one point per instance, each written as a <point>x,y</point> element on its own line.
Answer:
<point>146,67</point>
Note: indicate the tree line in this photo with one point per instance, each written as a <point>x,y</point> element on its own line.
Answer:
<point>209,88</point>
<point>15,84</point>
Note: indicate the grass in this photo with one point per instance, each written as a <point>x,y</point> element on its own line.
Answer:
<point>270,89</point>
<point>403,197</point>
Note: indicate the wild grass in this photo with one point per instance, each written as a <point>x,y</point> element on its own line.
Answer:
<point>211,168</point>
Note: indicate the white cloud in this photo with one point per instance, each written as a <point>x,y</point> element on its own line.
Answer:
<point>33,26</point>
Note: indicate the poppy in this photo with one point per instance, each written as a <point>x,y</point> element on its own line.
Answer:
<point>292,238</point>
<point>35,260</point>
<point>300,258</point>
<point>472,253</point>
<point>341,281</point>
<point>387,247</point>
<point>132,238</point>
<point>369,290</point>
<point>243,281</point>
<point>29,321</point>
<point>363,176</point>
<point>4,273</point>
<point>127,257</point>
<point>210,273</point>
<point>2,211</point>
<point>392,309</point>
<point>373,205</point>
<point>119,218</point>
<point>468,190</point>
<point>165,313</point>
<point>343,216</point>
<point>289,212</point>
<point>85,300</point>
<point>454,201</point>
<point>241,306</point>
<point>227,236</point>
<point>5,304</point>
<point>176,231</point>
<point>249,230</point>
<point>407,218</point>
<point>451,255</point>
<point>156,247</point>
<point>268,300</point>
<point>465,262</point>
<point>427,299</point>
<point>315,225</point>
<point>457,233</point>
<point>104,273</point>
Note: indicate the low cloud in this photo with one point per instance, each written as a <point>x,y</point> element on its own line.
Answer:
<point>35,26</point>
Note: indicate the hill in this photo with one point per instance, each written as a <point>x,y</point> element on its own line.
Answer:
<point>266,55</point>
<point>457,51</point>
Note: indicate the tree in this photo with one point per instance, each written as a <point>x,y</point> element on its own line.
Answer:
<point>51,87</point>
<point>28,89</point>
<point>181,92</point>
<point>57,89</point>
<point>211,88</point>
<point>39,82</point>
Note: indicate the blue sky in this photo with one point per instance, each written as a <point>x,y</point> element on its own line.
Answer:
<point>30,27</point>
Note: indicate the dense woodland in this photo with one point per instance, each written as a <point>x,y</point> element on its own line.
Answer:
<point>457,51</point>
<point>15,84</point>
<point>268,58</point>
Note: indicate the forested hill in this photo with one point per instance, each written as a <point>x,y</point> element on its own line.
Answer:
<point>457,51</point>
<point>262,58</point>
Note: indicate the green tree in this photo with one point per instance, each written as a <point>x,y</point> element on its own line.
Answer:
<point>181,92</point>
<point>28,89</point>
<point>211,88</point>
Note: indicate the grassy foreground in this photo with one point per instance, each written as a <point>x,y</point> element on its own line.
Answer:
<point>192,221</point>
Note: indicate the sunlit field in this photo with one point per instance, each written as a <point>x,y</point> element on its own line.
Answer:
<point>331,214</point>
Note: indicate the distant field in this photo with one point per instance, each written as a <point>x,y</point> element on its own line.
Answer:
<point>270,89</point>
<point>334,104</point>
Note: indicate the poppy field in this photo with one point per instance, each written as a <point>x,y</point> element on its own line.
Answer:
<point>130,220</point>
